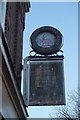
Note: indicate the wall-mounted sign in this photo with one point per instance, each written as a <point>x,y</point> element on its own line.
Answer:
<point>44,83</point>
<point>46,40</point>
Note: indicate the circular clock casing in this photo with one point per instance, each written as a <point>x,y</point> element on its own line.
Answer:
<point>46,40</point>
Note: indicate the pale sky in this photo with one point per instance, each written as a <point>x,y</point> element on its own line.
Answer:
<point>64,17</point>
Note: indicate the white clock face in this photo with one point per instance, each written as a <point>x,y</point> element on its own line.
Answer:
<point>45,39</point>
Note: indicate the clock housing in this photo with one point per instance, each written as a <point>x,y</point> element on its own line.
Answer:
<point>46,40</point>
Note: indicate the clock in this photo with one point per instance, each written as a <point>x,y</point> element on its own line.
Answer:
<point>46,40</point>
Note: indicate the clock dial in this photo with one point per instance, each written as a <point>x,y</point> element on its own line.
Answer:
<point>45,39</point>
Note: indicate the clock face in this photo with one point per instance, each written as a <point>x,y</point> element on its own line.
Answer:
<point>46,40</point>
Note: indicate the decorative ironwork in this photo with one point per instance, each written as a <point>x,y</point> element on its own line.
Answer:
<point>33,53</point>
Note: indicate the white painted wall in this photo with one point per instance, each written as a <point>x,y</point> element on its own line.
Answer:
<point>8,110</point>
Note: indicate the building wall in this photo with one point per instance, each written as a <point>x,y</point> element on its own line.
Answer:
<point>0,79</point>
<point>14,27</point>
<point>11,100</point>
<point>11,42</point>
<point>8,109</point>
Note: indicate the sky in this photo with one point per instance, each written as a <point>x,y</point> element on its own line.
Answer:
<point>64,17</point>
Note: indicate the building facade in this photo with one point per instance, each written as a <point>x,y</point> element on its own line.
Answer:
<point>14,27</point>
<point>11,41</point>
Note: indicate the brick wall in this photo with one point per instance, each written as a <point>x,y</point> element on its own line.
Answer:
<point>14,27</point>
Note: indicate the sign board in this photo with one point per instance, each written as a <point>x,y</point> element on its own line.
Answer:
<point>44,81</point>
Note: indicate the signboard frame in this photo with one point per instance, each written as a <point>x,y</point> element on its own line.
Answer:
<point>27,80</point>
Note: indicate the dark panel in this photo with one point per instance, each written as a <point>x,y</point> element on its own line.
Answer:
<point>47,83</point>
